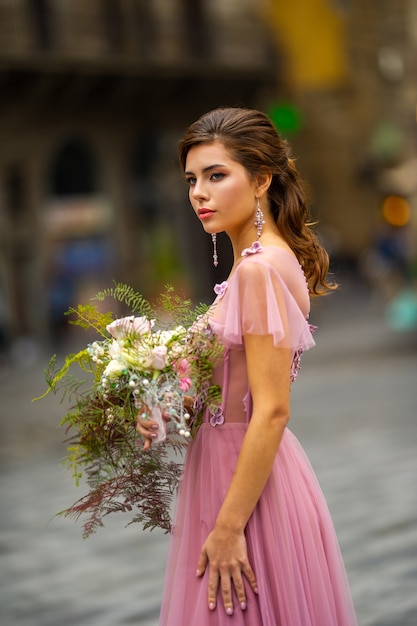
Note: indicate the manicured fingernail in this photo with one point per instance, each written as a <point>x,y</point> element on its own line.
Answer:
<point>153,435</point>
<point>243,605</point>
<point>256,589</point>
<point>229,610</point>
<point>197,572</point>
<point>212,606</point>
<point>154,426</point>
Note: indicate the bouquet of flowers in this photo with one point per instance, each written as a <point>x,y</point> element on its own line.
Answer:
<point>139,363</point>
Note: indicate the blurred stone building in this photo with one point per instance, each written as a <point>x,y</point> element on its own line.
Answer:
<point>94,96</point>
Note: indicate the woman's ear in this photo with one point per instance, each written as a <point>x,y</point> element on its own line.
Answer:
<point>263,181</point>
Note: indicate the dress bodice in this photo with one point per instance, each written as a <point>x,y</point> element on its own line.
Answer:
<point>267,294</point>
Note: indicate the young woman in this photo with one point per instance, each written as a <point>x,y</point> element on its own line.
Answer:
<point>253,543</point>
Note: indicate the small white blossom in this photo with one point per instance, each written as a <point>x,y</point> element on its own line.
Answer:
<point>114,369</point>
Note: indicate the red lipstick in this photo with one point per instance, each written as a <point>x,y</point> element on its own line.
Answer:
<point>204,213</point>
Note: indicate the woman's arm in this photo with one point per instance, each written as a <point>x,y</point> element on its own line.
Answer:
<point>225,548</point>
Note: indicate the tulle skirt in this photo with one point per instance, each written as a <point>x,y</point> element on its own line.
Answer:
<point>292,545</point>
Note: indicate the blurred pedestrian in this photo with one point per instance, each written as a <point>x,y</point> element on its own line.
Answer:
<point>253,541</point>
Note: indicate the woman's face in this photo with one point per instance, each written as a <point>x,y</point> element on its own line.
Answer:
<point>221,192</point>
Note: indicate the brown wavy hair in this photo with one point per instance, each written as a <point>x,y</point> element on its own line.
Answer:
<point>252,140</point>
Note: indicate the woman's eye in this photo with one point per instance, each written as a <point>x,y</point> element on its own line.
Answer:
<point>217,176</point>
<point>190,181</point>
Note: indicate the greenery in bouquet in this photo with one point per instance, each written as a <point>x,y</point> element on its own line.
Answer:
<point>153,359</point>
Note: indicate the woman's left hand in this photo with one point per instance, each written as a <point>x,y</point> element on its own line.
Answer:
<point>225,553</point>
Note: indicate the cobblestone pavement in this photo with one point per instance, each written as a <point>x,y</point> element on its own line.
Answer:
<point>355,412</point>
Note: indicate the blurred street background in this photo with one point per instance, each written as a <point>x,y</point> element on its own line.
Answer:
<point>94,97</point>
<point>354,411</point>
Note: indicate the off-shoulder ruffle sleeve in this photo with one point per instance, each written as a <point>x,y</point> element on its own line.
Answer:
<point>258,302</point>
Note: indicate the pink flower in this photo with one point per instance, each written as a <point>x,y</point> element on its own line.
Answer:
<point>159,357</point>
<point>182,367</point>
<point>185,384</point>
<point>128,326</point>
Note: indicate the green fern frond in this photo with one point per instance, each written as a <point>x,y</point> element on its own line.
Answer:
<point>71,388</point>
<point>53,377</point>
<point>88,316</point>
<point>72,463</point>
<point>127,295</point>
<point>201,309</point>
<point>172,303</point>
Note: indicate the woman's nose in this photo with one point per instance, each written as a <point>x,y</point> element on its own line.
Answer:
<point>198,191</point>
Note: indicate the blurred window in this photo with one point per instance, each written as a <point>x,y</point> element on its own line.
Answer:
<point>195,25</point>
<point>145,26</point>
<point>74,170</point>
<point>40,21</point>
<point>113,23</point>
<point>143,163</point>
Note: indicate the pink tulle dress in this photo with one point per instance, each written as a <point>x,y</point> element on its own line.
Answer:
<point>292,545</point>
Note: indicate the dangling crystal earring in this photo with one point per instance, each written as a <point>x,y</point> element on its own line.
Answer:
<point>259,219</point>
<point>215,257</point>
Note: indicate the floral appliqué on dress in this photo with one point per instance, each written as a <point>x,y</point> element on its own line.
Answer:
<point>255,247</point>
<point>220,289</point>
<point>216,416</point>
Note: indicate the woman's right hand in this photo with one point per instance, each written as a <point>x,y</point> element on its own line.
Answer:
<point>146,426</point>
<point>188,402</point>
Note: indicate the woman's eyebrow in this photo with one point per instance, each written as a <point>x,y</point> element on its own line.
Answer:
<point>206,169</point>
